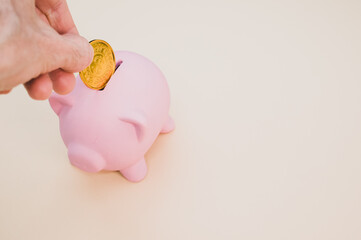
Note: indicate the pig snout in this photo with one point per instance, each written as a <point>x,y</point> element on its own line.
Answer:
<point>85,158</point>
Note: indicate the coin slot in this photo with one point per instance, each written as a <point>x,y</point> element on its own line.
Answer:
<point>118,64</point>
<point>116,67</point>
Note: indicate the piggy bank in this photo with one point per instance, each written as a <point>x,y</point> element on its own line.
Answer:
<point>112,129</point>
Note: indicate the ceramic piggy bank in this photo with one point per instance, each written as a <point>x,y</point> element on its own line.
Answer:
<point>112,129</point>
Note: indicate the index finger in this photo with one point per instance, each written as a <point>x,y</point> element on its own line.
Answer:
<point>58,15</point>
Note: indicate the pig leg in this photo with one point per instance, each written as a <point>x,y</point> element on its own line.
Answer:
<point>136,172</point>
<point>169,126</point>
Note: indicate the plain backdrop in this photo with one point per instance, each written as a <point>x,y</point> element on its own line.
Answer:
<point>266,96</point>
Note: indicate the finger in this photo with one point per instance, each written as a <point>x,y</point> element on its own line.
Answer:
<point>42,16</point>
<point>63,82</point>
<point>75,53</point>
<point>5,92</point>
<point>58,15</point>
<point>39,88</point>
<point>70,52</point>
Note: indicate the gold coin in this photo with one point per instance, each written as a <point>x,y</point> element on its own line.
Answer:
<point>98,73</point>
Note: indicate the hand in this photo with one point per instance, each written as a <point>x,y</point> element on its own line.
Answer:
<point>40,47</point>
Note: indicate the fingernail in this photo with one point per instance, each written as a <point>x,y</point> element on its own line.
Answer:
<point>91,53</point>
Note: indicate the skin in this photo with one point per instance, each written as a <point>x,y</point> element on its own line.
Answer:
<point>40,47</point>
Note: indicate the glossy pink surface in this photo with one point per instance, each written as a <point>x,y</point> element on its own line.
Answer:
<point>113,128</point>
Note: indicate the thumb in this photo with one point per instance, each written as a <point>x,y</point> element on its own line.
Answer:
<point>75,53</point>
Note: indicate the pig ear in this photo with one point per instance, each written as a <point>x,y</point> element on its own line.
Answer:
<point>138,120</point>
<point>59,102</point>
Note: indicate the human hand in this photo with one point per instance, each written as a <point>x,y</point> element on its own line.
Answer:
<point>40,47</point>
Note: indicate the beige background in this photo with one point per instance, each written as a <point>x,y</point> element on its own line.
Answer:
<point>266,96</point>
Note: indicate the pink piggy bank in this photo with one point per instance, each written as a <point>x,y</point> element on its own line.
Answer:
<point>113,128</point>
